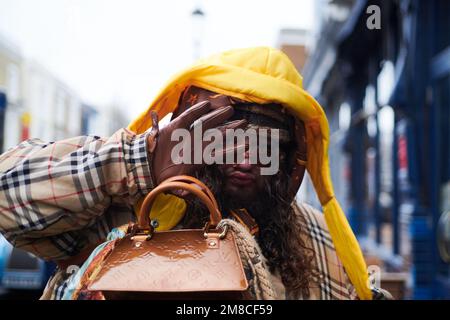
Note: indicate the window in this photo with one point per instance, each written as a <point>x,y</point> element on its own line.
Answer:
<point>13,83</point>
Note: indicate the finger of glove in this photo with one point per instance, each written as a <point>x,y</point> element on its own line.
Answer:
<point>236,124</point>
<point>231,152</point>
<point>233,125</point>
<point>215,118</point>
<point>220,155</point>
<point>236,149</point>
<point>186,119</point>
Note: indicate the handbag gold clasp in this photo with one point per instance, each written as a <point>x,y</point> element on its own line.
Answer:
<point>221,235</point>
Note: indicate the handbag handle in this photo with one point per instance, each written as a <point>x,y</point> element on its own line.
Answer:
<point>204,194</point>
<point>189,179</point>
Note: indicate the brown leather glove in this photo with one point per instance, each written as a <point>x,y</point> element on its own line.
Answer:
<point>159,142</point>
<point>300,158</point>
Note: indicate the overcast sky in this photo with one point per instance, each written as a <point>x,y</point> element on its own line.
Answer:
<point>117,50</point>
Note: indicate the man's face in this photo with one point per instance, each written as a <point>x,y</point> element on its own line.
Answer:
<point>243,181</point>
<point>247,179</point>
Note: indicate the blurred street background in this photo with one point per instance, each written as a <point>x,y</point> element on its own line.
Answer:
<point>380,69</point>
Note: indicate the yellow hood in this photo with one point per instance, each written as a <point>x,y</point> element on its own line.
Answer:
<point>263,75</point>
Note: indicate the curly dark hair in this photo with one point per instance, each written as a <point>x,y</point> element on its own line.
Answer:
<point>279,229</point>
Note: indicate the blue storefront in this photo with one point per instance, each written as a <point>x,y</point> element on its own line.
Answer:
<point>399,178</point>
<point>3,103</point>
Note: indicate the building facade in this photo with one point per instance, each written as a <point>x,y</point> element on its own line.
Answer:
<point>13,119</point>
<point>383,76</point>
<point>38,104</point>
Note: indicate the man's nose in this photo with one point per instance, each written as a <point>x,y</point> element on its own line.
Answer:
<point>245,164</point>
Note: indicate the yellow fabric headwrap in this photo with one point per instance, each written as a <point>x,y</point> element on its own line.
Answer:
<point>266,75</point>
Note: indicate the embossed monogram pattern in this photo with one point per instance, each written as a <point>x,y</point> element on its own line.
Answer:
<point>172,261</point>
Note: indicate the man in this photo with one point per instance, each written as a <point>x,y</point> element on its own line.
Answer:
<point>245,194</point>
<point>59,200</point>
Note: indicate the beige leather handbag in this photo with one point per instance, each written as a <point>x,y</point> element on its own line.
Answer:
<point>179,264</point>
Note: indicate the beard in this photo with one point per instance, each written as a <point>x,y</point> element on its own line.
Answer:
<point>272,195</point>
<point>279,230</point>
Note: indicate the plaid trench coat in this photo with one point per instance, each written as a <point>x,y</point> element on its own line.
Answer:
<point>60,197</point>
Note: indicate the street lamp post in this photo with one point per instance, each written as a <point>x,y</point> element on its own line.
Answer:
<point>198,19</point>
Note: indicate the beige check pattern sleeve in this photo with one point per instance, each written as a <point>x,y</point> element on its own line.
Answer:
<point>58,197</point>
<point>331,281</point>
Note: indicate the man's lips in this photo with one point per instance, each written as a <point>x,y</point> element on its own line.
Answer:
<point>241,178</point>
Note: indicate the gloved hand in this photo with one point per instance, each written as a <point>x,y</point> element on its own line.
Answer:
<point>300,158</point>
<point>159,142</point>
